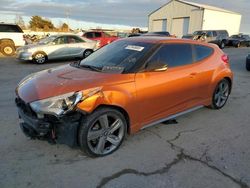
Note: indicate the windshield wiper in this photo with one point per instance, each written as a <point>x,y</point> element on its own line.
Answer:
<point>90,67</point>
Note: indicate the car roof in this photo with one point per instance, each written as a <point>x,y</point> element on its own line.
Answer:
<point>2,23</point>
<point>61,35</point>
<point>159,40</point>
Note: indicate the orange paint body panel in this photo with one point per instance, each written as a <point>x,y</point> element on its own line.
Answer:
<point>145,97</point>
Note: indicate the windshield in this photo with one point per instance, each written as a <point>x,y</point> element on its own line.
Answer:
<point>198,32</point>
<point>47,40</point>
<point>117,55</point>
<point>235,36</point>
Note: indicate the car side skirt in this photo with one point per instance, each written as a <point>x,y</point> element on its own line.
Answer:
<point>172,116</point>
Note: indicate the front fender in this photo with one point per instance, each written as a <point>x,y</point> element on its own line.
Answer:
<point>125,99</point>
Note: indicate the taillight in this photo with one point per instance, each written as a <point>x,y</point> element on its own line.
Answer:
<point>225,58</point>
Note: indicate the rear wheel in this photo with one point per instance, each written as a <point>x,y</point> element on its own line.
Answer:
<point>102,132</point>
<point>7,48</point>
<point>221,94</point>
<point>40,57</point>
<point>248,64</point>
<point>86,53</point>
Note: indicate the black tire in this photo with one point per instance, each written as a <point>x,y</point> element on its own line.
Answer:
<point>216,104</point>
<point>86,53</point>
<point>92,123</point>
<point>40,58</point>
<point>248,64</point>
<point>222,45</point>
<point>238,45</point>
<point>8,48</point>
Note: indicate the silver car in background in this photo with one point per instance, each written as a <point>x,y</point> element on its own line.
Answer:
<point>57,47</point>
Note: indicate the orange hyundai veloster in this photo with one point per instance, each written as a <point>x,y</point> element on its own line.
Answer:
<point>123,87</point>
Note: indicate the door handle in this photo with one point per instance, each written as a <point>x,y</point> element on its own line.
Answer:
<point>193,74</point>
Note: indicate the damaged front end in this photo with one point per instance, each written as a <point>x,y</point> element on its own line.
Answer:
<point>55,129</point>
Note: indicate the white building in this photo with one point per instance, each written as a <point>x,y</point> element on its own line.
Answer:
<point>182,17</point>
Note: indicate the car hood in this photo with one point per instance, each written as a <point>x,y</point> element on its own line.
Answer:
<point>29,46</point>
<point>188,36</point>
<point>65,79</point>
<point>234,39</point>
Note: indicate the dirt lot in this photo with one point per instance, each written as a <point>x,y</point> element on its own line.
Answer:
<point>204,149</point>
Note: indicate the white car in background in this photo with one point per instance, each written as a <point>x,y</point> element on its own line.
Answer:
<point>57,47</point>
<point>11,37</point>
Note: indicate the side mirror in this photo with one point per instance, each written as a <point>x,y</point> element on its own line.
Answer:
<point>157,66</point>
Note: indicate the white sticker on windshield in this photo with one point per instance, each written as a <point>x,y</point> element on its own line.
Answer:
<point>135,48</point>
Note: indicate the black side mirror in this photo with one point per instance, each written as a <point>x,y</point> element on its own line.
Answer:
<point>157,66</point>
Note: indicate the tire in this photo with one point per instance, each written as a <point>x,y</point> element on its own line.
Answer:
<point>110,128</point>
<point>221,94</point>
<point>8,48</point>
<point>222,45</point>
<point>86,53</point>
<point>248,64</point>
<point>238,45</point>
<point>40,58</point>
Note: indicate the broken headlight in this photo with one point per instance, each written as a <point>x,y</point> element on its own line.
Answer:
<point>58,105</point>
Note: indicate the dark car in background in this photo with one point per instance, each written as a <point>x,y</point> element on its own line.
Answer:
<point>239,40</point>
<point>219,37</point>
<point>153,34</point>
<point>248,63</point>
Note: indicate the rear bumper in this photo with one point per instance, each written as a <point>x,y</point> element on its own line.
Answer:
<point>61,130</point>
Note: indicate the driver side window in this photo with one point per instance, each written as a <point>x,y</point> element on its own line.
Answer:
<point>60,40</point>
<point>172,55</point>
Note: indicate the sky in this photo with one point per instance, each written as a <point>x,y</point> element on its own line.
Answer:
<point>87,14</point>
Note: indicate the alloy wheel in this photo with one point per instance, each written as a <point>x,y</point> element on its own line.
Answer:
<point>40,58</point>
<point>221,94</point>
<point>106,134</point>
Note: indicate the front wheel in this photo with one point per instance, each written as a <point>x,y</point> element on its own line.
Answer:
<point>221,94</point>
<point>102,132</point>
<point>222,45</point>
<point>238,45</point>
<point>40,58</point>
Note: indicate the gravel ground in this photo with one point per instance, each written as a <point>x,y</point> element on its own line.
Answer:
<point>205,148</point>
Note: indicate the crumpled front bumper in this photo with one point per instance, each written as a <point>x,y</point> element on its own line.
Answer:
<point>61,130</point>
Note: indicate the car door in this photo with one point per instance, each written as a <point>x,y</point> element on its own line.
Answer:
<point>58,48</point>
<point>210,37</point>
<point>164,93</point>
<point>75,46</point>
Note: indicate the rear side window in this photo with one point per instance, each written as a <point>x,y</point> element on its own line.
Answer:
<point>202,52</point>
<point>98,35</point>
<point>89,35</point>
<point>10,28</point>
<point>174,55</point>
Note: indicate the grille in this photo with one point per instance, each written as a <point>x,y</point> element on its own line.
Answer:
<point>25,107</point>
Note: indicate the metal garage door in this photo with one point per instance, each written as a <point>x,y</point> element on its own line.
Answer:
<point>180,26</point>
<point>160,25</point>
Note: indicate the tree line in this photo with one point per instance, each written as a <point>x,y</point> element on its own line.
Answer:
<point>37,23</point>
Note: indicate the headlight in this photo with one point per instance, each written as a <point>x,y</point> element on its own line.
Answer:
<point>58,105</point>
